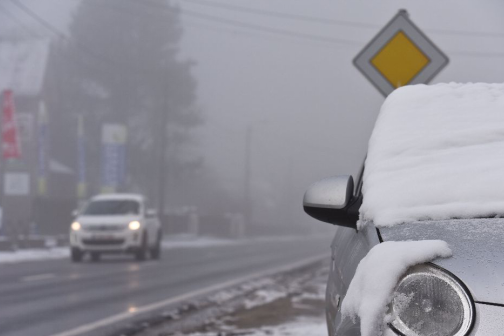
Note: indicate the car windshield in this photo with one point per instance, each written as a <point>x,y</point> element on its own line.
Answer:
<point>112,207</point>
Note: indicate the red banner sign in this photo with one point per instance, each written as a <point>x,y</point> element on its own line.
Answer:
<point>10,142</point>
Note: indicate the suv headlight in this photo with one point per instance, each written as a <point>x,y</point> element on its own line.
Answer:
<point>76,226</point>
<point>134,225</point>
<point>430,301</point>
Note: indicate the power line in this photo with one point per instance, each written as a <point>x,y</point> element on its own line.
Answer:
<point>252,26</point>
<point>282,15</point>
<point>476,54</point>
<point>63,36</point>
<point>16,20</point>
<point>232,23</point>
<point>465,33</point>
<point>209,27</point>
<point>345,23</point>
<point>37,18</point>
<point>318,38</point>
<point>272,30</point>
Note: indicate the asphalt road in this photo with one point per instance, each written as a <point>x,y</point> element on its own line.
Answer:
<point>48,297</point>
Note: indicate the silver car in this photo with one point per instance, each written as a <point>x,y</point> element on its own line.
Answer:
<point>115,223</point>
<point>469,299</point>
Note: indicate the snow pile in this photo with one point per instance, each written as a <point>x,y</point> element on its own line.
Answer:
<point>299,327</point>
<point>436,152</point>
<point>377,275</point>
<point>34,255</point>
<point>264,296</point>
<point>191,241</point>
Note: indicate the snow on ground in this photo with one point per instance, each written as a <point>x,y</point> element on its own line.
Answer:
<point>436,152</point>
<point>377,275</point>
<point>34,255</point>
<point>170,242</point>
<point>192,241</point>
<point>285,304</point>
<point>263,297</point>
<point>300,327</point>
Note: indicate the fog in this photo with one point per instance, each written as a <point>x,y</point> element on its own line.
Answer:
<point>274,86</point>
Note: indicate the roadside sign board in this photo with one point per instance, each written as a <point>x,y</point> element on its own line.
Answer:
<point>10,141</point>
<point>16,184</point>
<point>400,54</point>
<point>24,123</point>
<point>113,156</point>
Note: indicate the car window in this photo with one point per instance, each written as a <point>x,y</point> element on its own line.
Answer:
<point>112,207</point>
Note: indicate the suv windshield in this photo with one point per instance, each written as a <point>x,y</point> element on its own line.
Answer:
<point>112,207</point>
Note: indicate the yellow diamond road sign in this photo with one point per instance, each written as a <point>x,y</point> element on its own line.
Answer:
<point>400,55</point>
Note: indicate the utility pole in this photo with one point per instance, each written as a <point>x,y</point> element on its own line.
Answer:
<point>162,153</point>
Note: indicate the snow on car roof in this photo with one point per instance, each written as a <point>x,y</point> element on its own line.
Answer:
<point>118,196</point>
<point>436,152</point>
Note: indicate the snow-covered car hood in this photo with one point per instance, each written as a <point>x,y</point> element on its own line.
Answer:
<point>478,251</point>
<point>107,220</point>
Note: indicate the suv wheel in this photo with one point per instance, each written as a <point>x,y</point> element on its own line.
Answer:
<point>75,254</point>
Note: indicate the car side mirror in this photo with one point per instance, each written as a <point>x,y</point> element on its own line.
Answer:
<point>75,213</point>
<point>151,213</point>
<point>331,200</point>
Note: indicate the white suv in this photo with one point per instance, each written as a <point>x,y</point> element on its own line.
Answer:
<point>115,223</point>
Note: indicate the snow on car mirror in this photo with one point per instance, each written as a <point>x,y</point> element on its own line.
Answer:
<point>330,200</point>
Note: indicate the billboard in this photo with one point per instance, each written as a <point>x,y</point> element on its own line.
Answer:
<point>10,140</point>
<point>113,156</point>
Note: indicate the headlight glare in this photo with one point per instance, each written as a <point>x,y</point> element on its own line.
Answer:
<point>134,225</point>
<point>430,301</point>
<point>76,226</point>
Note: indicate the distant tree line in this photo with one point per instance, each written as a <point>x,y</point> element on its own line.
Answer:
<point>121,65</point>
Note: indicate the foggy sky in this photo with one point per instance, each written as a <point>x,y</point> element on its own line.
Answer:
<point>310,110</point>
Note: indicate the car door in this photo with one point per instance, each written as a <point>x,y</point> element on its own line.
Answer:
<point>348,248</point>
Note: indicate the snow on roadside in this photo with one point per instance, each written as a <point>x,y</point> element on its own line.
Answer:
<point>34,255</point>
<point>191,241</point>
<point>184,241</point>
<point>377,275</point>
<point>263,297</point>
<point>300,327</point>
<point>169,242</point>
<point>290,304</point>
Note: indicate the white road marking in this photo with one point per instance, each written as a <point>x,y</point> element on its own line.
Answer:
<point>38,277</point>
<point>158,305</point>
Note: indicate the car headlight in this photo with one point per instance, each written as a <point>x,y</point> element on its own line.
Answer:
<point>76,226</point>
<point>134,225</point>
<point>430,301</point>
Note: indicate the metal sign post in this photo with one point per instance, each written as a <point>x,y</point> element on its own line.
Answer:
<point>400,54</point>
